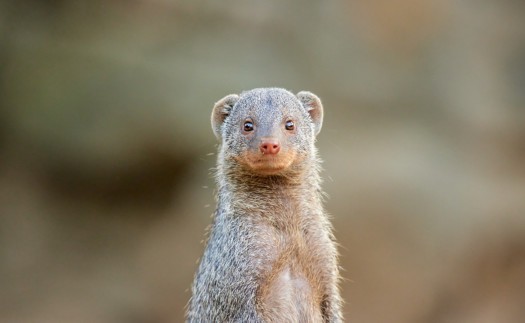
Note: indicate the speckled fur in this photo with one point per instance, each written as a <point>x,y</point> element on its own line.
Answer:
<point>270,256</point>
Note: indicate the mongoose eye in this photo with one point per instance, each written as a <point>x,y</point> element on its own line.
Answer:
<point>289,125</point>
<point>248,126</point>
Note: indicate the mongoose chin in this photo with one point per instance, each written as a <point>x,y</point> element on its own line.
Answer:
<point>270,255</point>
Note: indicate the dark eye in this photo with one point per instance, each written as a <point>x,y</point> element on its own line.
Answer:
<point>289,125</point>
<point>248,126</point>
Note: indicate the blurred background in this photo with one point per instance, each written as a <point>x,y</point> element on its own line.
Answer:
<point>106,149</point>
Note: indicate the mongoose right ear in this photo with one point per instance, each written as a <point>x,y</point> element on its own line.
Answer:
<point>314,107</point>
<point>221,110</point>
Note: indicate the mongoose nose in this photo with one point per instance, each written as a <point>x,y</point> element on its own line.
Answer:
<point>269,146</point>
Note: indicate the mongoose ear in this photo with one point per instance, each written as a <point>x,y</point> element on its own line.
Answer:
<point>221,110</point>
<point>313,105</point>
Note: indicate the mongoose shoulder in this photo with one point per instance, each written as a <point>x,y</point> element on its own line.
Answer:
<point>270,255</point>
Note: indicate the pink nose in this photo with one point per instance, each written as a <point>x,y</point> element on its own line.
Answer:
<point>270,146</point>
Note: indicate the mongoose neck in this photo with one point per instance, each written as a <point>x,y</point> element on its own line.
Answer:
<point>293,193</point>
<point>304,175</point>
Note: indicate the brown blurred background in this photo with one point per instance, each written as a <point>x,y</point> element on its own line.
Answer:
<point>106,149</point>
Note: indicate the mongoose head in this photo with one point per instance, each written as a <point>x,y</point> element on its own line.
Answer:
<point>267,131</point>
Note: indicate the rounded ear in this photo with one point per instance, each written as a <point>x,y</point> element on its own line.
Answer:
<point>314,107</point>
<point>221,110</point>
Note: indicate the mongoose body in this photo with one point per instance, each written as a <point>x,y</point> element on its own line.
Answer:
<point>270,255</point>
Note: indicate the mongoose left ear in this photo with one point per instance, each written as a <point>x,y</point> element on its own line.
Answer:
<point>313,105</point>
<point>221,110</point>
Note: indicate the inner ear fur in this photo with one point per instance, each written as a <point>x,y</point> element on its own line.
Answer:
<point>221,110</point>
<point>313,105</point>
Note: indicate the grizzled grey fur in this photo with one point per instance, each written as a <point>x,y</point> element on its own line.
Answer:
<point>270,255</point>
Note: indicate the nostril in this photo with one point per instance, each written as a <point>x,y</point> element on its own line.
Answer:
<point>275,146</point>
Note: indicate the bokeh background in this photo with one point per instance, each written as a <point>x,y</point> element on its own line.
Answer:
<point>106,149</point>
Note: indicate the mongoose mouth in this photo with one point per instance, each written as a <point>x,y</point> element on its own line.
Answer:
<point>268,164</point>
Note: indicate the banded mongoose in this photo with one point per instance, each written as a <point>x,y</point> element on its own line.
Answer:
<point>270,254</point>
